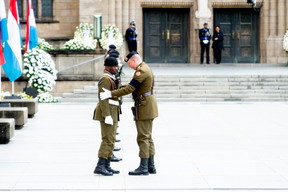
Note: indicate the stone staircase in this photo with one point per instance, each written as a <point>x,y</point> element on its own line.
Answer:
<point>204,88</point>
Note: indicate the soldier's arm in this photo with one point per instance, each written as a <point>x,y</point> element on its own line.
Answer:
<point>138,78</point>
<point>104,104</point>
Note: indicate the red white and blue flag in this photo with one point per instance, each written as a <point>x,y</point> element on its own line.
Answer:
<point>31,35</point>
<point>3,30</point>
<point>12,49</point>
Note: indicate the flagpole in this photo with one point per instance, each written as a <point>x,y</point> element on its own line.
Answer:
<point>12,88</point>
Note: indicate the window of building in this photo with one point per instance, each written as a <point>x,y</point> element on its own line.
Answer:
<point>43,9</point>
<point>20,8</point>
<point>47,8</point>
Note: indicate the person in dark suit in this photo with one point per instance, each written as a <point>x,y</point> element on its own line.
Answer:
<point>205,37</point>
<point>217,44</point>
<point>130,36</point>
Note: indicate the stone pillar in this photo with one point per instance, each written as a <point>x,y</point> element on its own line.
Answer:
<point>281,17</point>
<point>132,11</point>
<point>273,18</point>
<point>286,14</point>
<point>111,13</point>
<point>126,22</point>
<point>203,13</point>
<point>119,14</point>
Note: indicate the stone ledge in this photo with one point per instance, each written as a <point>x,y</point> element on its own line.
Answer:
<point>19,114</point>
<point>7,128</point>
<point>31,104</point>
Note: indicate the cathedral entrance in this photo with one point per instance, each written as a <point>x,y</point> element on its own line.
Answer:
<point>166,35</point>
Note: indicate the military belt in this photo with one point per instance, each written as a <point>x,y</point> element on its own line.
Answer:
<point>132,39</point>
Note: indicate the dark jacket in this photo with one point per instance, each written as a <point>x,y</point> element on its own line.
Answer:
<point>131,34</point>
<point>218,44</point>
<point>204,34</point>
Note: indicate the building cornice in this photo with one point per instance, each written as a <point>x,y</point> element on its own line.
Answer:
<point>151,4</point>
<point>235,5</point>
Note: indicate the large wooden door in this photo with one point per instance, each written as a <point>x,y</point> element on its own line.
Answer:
<point>240,31</point>
<point>166,35</point>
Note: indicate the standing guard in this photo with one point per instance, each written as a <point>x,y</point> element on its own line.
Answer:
<point>130,36</point>
<point>205,36</point>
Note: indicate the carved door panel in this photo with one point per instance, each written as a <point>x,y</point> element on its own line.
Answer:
<point>166,34</point>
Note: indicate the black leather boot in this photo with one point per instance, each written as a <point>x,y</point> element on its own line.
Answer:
<point>142,169</point>
<point>151,165</point>
<point>117,149</point>
<point>100,168</point>
<point>108,167</point>
<point>115,159</point>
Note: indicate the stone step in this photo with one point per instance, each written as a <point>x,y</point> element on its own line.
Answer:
<point>95,100</point>
<point>203,91</point>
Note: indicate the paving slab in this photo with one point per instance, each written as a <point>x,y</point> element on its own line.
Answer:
<point>202,147</point>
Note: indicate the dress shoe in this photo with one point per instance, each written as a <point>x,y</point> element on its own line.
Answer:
<point>117,148</point>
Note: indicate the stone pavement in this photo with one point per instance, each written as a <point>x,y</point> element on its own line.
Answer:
<point>201,147</point>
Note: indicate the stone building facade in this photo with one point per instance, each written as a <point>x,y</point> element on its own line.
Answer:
<point>168,29</point>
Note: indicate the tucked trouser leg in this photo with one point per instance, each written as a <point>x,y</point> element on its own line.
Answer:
<point>144,138</point>
<point>108,140</point>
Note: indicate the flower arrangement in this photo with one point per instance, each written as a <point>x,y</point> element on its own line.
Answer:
<point>39,69</point>
<point>78,33</point>
<point>83,38</point>
<point>44,45</point>
<point>79,44</point>
<point>46,98</point>
<point>117,36</point>
<point>285,41</point>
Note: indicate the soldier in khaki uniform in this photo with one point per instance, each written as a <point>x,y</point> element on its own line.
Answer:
<point>107,112</point>
<point>145,110</point>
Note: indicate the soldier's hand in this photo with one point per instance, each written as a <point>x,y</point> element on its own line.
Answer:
<point>108,120</point>
<point>106,94</point>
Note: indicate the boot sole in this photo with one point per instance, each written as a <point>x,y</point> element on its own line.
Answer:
<point>99,173</point>
<point>138,174</point>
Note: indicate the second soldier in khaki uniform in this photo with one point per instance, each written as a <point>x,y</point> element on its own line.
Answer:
<point>145,110</point>
<point>107,112</point>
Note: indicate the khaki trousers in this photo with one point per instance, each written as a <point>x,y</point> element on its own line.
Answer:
<point>108,133</point>
<point>144,138</point>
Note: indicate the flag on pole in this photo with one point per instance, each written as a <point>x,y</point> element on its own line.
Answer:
<point>3,30</point>
<point>31,34</point>
<point>12,49</point>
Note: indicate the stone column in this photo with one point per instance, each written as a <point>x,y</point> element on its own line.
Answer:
<point>286,14</point>
<point>132,11</point>
<point>112,11</point>
<point>203,13</point>
<point>273,18</point>
<point>119,14</point>
<point>125,21</point>
<point>281,18</point>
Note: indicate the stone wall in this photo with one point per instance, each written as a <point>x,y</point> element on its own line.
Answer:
<point>65,19</point>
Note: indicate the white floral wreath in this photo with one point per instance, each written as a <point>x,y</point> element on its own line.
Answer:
<point>285,41</point>
<point>39,69</point>
<point>117,35</point>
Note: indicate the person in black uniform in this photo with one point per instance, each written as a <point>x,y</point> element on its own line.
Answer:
<point>130,36</point>
<point>217,44</point>
<point>205,37</point>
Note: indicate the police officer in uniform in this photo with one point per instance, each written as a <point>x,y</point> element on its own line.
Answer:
<point>107,112</point>
<point>205,36</point>
<point>145,110</point>
<point>130,36</point>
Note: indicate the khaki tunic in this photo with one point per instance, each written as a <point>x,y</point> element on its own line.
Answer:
<point>142,82</point>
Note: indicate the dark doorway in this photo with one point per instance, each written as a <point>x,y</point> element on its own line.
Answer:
<point>166,35</point>
<point>241,34</point>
